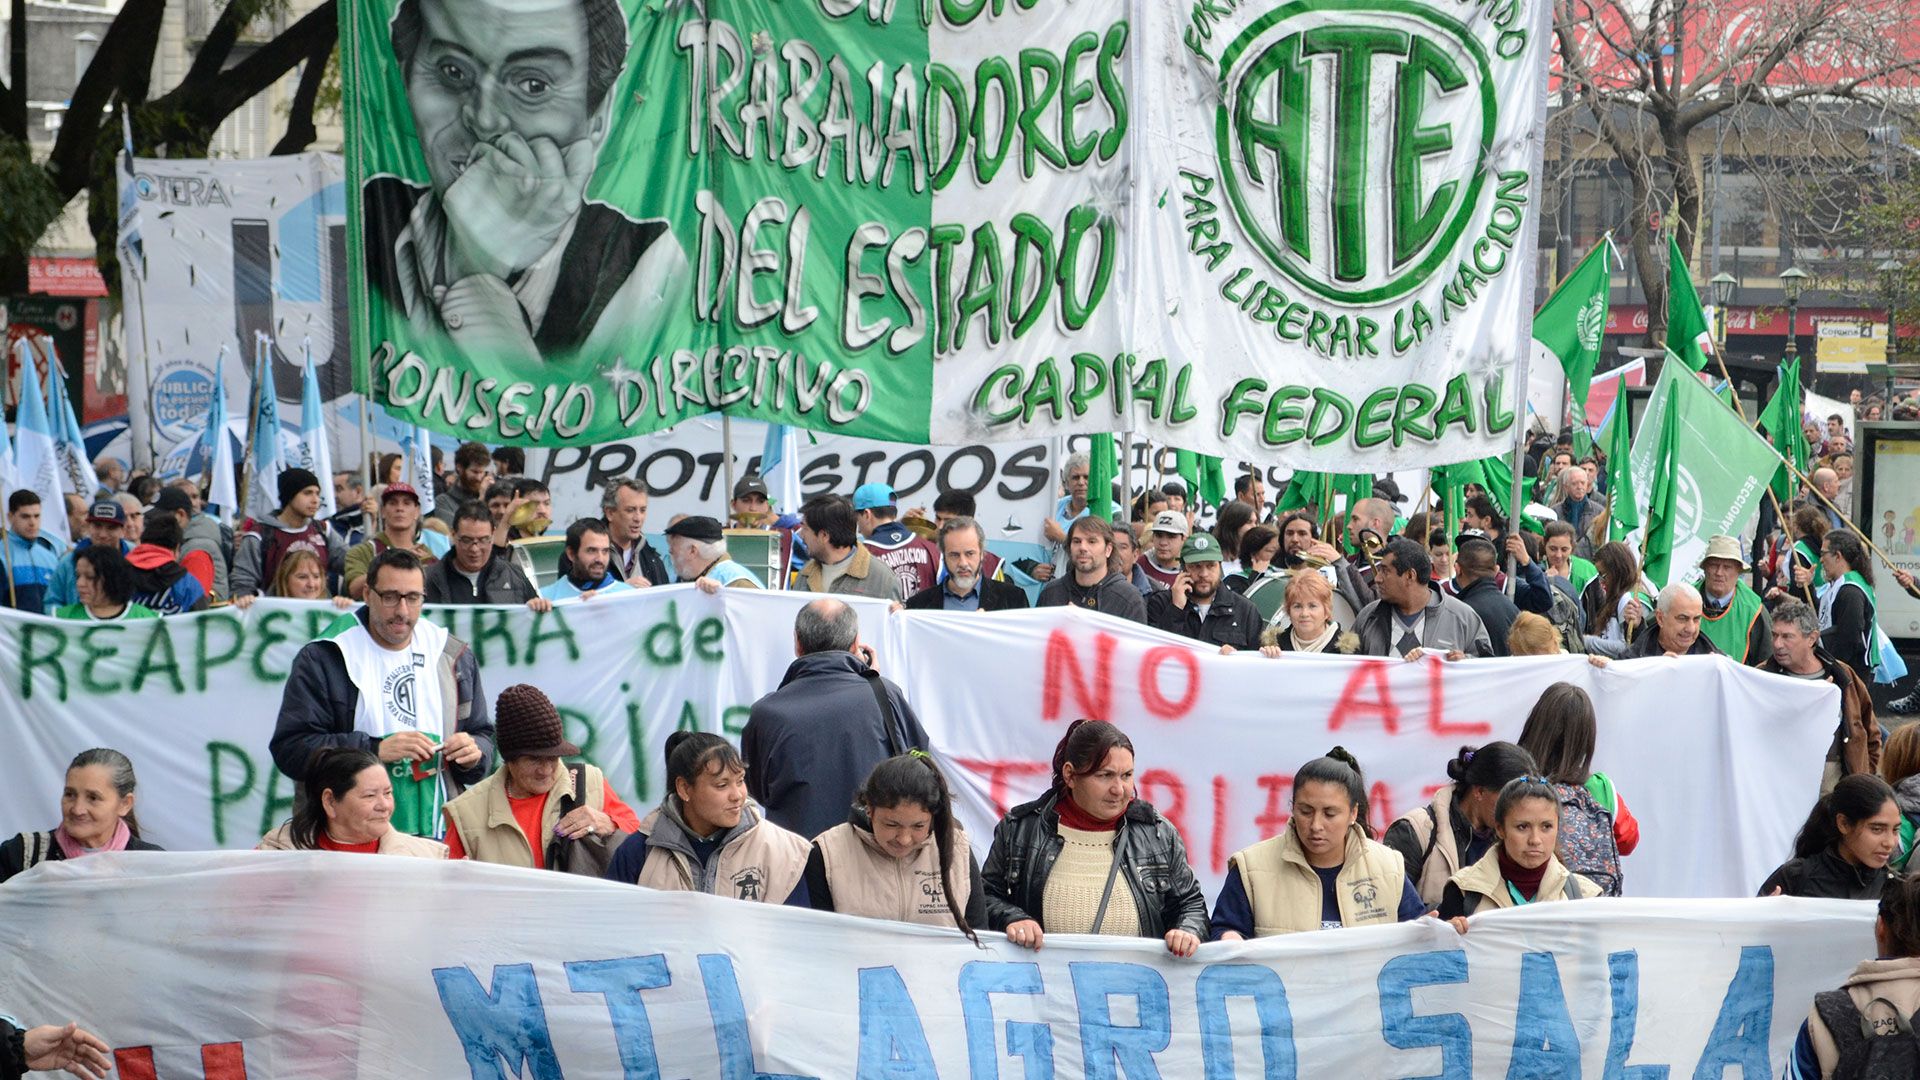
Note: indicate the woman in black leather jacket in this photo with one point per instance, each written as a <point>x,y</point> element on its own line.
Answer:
<point>1088,857</point>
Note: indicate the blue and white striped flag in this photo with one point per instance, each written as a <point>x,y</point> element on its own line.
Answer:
<point>219,444</point>
<point>36,456</point>
<point>316,452</point>
<point>263,497</point>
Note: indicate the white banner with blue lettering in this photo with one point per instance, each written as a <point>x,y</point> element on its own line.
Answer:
<point>309,965</point>
<point>1719,762</point>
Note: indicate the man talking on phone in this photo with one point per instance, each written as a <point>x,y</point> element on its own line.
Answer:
<point>1196,606</point>
<point>382,680</point>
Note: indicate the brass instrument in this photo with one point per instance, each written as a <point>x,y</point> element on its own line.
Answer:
<point>1370,544</point>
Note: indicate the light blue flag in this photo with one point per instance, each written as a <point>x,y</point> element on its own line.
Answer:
<point>263,498</point>
<point>417,445</point>
<point>315,453</point>
<point>780,467</point>
<point>76,470</point>
<point>36,456</point>
<point>219,444</point>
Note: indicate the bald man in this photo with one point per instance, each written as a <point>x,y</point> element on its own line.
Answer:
<point>1826,483</point>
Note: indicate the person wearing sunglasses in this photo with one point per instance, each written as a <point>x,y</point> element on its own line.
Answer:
<point>384,680</point>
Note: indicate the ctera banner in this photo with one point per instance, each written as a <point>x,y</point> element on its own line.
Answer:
<point>964,223</point>
<point>214,254</point>
<point>316,965</point>
<point>192,700</point>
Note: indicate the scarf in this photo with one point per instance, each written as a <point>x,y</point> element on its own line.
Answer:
<point>1072,817</point>
<point>1318,644</point>
<point>1526,882</point>
<point>71,848</point>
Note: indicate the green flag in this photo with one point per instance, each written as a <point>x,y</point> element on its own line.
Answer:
<point>1304,489</point>
<point>1663,501</point>
<point>1493,474</point>
<point>1206,481</point>
<point>1103,467</point>
<point>1781,418</point>
<point>1623,513</point>
<point>1687,336</point>
<point>1569,326</point>
<point>1703,469</point>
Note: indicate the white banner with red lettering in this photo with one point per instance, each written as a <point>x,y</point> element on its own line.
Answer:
<point>230,966</point>
<point>1719,763</point>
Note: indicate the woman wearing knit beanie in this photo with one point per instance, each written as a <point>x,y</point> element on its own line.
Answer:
<point>1090,858</point>
<point>514,816</point>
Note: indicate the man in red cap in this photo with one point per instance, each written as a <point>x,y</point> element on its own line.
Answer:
<point>399,528</point>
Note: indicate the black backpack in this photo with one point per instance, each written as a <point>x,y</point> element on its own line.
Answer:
<point>1864,1053</point>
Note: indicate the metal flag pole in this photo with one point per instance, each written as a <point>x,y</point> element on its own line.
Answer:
<point>253,419</point>
<point>726,457</point>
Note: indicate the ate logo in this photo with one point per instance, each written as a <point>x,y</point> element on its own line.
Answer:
<point>1353,138</point>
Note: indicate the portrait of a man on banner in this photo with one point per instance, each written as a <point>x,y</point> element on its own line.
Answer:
<point>503,251</point>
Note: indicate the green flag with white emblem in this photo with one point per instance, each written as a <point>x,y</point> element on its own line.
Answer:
<point>1703,469</point>
<point>1569,326</point>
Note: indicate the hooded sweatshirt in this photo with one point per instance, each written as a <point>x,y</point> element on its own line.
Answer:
<point>1114,595</point>
<point>160,582</point>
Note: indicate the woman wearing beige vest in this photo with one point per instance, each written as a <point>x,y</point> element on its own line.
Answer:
<point>1089,858</point>
<point>513,816</point>
<point>708,837</point>
<point>348,807</point>
<point>1323,872</point>
<point>1522,868</point>
<point>1456,828</point>
<point>900,854</point>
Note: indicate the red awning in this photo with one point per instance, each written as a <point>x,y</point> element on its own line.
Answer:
<point>62,276</point>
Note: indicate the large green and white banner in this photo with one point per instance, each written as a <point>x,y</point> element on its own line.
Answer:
<point>1278,231</point>
<point>1341,221</point>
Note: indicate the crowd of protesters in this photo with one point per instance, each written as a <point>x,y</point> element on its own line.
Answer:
<point>831,799</point>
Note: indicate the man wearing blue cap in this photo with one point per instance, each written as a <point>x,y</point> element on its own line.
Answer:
<point>916,562</point>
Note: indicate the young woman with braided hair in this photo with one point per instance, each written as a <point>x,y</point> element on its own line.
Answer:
<point>900,854</point>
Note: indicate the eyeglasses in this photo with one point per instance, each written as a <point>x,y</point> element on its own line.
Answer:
<point>395,598</point>
<point>474,541</point>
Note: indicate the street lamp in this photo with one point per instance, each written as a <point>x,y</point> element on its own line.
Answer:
<point>1723,285</point>
<point>1794,281</point>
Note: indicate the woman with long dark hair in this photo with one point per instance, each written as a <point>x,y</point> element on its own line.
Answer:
<point>1259,549</point>
<point>1596,828</point>
<point>1324,871</point>
<point>1843,850</point>
<point>1616,609</point>
<point>348,807</point>
<point>1437,840</point>
<point>96,814</point>
<point>1523,867</point>
<point>1803,576</point>
<point>1847,603</point>
<point>1090,858</point>
<point>900,854</point>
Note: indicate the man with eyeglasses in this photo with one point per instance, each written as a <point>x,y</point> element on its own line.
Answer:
<point>384,680</point>
<point>479,573</point>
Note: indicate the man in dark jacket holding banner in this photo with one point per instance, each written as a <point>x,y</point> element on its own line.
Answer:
<point>383,680</point>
